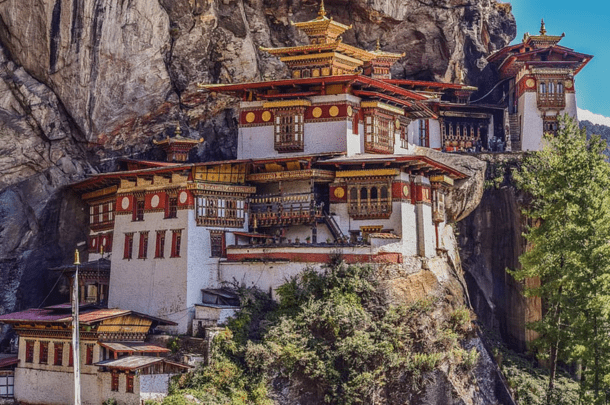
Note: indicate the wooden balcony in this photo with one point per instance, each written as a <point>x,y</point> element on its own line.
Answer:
<point>371,210</point>
<point>551,100</point>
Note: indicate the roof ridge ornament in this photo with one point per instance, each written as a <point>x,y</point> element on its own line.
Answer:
<point>542,28</point>
<point>322,11</point>
<point>378,47</point>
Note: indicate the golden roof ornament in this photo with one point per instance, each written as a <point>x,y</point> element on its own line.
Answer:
<point>542,28</point>
<point>378,47</point>
<point>322,11</point>
<point>178,130</point>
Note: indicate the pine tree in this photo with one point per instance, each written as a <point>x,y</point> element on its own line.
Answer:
<point>569,182</point>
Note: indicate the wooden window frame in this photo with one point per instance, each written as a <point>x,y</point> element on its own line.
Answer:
<point>176,242</point>
<point>379,133</point>
<point>366,200</point>
<point>289,130</point>
<point>143,245</point>
<point>71,357</point>
<point>160,245</point>
<point>129,383</point>
<point>171,208</point>
<point>218,243</point>
<point>114,381</point>
<point>128,246</point>
<point>29,351</point>
<point>43,353</point>
<point>89,347</point>
<point>139,206</point>
<point>58,353</point>
<point>214,210</point>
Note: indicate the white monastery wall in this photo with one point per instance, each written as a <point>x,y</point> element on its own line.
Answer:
<point>154,386</point>
<point>154,286</point>
<point>255,142</point>
<point>121,396</point>
<point>409,229</point>
<point>570,109</point>
<point>55,387</point>
<point>531,122</point>
<point>429,231</point>
<point>435,134</point>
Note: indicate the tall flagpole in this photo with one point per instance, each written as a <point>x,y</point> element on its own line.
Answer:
<point>75,332</point>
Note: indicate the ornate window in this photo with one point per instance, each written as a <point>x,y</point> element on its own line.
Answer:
<point>58,349</point>
<point>379,133</point>
<point>369,200</point>
<point>143,248</point>
<point>551,93</point>
<point>550,124</point>
<point>217,244</point>
<point>171,209</point>
<point>289,128</point>
<point>128,248</point>
<point>101,215</point>
<point>138,210</point>
<point>220,211</point>
<point>43,353</point>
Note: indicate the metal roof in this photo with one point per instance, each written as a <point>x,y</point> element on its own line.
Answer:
<point>8,361</point>
<point>58,314</point>
<point>130,347</point>
<point>136,362</point>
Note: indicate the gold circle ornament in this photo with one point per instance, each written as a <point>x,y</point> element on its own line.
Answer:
<point>339,192</point>
<point>125,203</point>
<point>266,116</point>
<point>317,112</point>
<point>350,111</point>
<point>530,83</point>
<point>333,111</point>
<point>397,123</point>
<point>250,117</point>
<point>405,190</point>
<point>568,84</point>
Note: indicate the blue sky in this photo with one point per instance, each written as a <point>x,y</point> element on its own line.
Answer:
<point>587,28</point>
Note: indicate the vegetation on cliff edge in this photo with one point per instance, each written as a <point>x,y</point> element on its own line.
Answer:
<point>331,339</point>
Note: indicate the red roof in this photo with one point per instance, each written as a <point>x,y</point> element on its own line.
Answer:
<point>347,79</point>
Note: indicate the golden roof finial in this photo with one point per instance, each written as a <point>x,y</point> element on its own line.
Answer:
<point>322,12</point>
<point>378,47</point>
<point>178,130</point>
<point>542,28</point>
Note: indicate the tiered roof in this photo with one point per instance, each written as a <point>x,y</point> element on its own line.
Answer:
<point>538,51</point>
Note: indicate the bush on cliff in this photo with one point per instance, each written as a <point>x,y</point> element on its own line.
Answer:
<point>331,339</point>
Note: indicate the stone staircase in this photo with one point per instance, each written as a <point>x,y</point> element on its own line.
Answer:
<point>515,132</point>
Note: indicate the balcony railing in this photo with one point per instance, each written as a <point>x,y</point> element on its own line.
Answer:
<point>551,100</point>
<point>370,210</point>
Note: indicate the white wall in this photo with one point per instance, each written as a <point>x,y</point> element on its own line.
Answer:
<point>154,286</point>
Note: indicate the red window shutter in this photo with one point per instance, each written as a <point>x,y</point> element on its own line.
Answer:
<point>71,359</point>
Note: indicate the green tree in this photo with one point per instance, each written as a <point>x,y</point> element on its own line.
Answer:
<point>569,237</point>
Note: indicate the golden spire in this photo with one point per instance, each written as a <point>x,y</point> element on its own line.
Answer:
<point>542,28</point>
<point>322,12</point>
<point>378,47</point>
<point>178,130</point>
